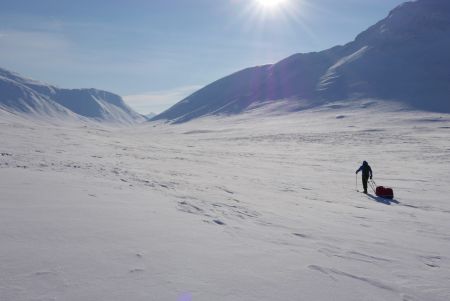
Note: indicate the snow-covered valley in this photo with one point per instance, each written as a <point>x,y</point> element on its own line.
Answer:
<point>250,207</point>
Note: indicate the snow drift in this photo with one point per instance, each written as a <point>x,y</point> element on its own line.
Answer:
<point>405,57</point>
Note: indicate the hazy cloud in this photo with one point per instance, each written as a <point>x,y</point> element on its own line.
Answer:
<point>36,43</point>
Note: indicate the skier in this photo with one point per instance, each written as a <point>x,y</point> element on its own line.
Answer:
<point>366,173</point>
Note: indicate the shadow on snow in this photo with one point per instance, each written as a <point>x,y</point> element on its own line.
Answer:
<point>383,200</point>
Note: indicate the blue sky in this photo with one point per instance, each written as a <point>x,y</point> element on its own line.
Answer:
<point>155,52</point>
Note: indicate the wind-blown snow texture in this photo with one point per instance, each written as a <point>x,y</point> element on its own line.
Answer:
<point>23,96</point>
<point>245,208</point>
<point>405,57</point>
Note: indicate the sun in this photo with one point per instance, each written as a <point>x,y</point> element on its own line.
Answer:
<point>270,4</point>
<point>265,14</point>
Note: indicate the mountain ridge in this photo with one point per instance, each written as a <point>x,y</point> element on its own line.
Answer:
<point>404,57</point>
<point>22,95</point>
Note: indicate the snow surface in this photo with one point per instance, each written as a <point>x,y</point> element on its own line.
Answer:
<point>250,207</point>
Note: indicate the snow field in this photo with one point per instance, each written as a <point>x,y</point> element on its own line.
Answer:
<point>250,207</point>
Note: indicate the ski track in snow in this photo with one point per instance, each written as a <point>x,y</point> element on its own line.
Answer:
<point>239,208</point>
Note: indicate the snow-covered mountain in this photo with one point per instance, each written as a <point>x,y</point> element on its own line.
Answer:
<point>150,115</point>
<point>405,57</point>
<point>20,95</point>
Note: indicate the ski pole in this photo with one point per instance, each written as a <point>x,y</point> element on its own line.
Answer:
<point>356,182</point>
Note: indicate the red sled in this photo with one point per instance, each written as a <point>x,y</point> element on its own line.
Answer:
<point>384,192</point>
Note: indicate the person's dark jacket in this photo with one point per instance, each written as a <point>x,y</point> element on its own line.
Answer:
<point>366,170</point>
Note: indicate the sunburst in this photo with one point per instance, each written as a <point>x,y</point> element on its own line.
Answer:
<point>271,4</point>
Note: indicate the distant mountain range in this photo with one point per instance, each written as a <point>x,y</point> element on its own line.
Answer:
<point>150,115</point>
<point>19,95</point>
<point>405,58</point>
